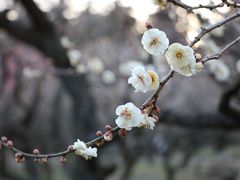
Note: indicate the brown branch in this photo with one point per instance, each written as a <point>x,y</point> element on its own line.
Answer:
<point>153,98</point>
<point>219,54</point>
<point>232,4</point>
<point>206,30</point>
<point>38,17</point>
<point>210,7</point>
<point>180,4</point>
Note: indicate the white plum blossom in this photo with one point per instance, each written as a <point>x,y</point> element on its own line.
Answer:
<point>149,122</point>
<point>181,59</point>
<point>140,80</point>
<point>129,116</point>
<point>219,70</point>
<point>86,152</point>
<point>154,80</point>
<point>155,41</point>
<point>143,80</point>
<point>89,153</point>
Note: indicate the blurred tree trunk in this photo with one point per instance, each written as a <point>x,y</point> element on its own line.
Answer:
<point>43,35</point>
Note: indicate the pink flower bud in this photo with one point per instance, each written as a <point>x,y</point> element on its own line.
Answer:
<point>122,132</point>
<point>63,159</point>
<point>99,133</point>
<point>148,25</point>
<point>108,136</point>
<point>9,143</point>
<point>70,148</point>
<point>108,127</point>
<point>36,151</point>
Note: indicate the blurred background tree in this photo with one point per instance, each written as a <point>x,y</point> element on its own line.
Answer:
<point>64,67</point>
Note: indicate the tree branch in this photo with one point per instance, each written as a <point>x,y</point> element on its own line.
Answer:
<point>206,30</point>
<point>210,7</point>
<point>38,17</point>
<point>219,54</point>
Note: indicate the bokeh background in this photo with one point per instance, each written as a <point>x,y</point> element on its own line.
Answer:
<point>64,66</point>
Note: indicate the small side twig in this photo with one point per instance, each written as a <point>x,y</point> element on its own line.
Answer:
<point>212,27</point>
<point>219,54</point>
<point>210,7</point>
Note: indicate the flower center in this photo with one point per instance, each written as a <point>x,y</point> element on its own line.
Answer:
<point>179,55</point>
<point>140,78</point>
<point>154,42</point>
<point>126,114</point>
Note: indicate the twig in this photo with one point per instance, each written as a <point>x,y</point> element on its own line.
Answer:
<point>180,4</point>
<point>206,30</point>
<point>153,98</point>
<point>219,54</point>
<point>210,7</point>
<point>232,4</point>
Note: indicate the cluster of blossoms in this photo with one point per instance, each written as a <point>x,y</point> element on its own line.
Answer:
<point>180,58</point>
<point>130,116</point>
<point>143,80</point>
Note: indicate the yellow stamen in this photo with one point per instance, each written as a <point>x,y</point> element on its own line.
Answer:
<point>179,55</point>
<point>154,42</point>
<point>126,114</point>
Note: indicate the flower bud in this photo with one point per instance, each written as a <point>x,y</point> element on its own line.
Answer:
<point>19,158</point>
<point>122,132</point>
<point>198,56</point>
<point>148,25</point>
<point>36,151</point>
<point>63,159</point>
<point>108,136</point>
<point>108,127</point>
<point>99,133</point>
<point>9,143</point>
<point>100,142</point>
<point>198,66</point>
<point>70,148</point>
